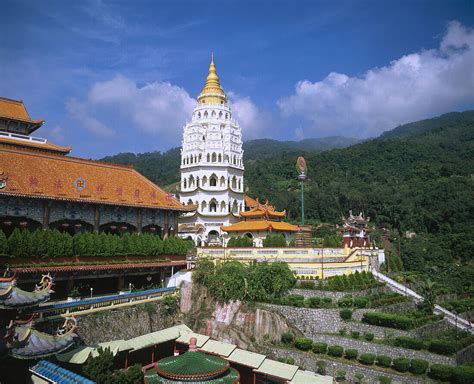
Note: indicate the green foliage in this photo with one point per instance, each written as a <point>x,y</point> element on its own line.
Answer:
<point>335,350</point>
<point>240,242</point>
<point>3,244</point>
<point>391,320</point>
<point>384,361</point>
<point>290,360</point>
<point>274,240</point>
<point>332,241</point>
<point>169,305</point>
<point>52,243</point>
<point>418,366</point>
<point>442,347</point>
<point>408,342</point>
<point>321,367</point>
<point>340,375</point>
<point>303,343</point>
<point>367,358</point>
<point>320,347</point>
<point>441,372</point>
<point>351,354</point>
<point>236,281</point>
<point>401,364</point>
<point>463,374</point>
<point>385,380</point>
<point>132,375</point>
<point>287,338</point>
<point>368,336</point>
<point>355,334</point>
<point>458,306</point>
<point>355,281</point>
<point>346,314</point>
<point>358,377</point>
<point>307,285</point>
<point>100,368</point>
<point>318,302</point>
<point>295,300</point>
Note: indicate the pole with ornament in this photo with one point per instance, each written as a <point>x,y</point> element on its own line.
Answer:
<point>302,170</point>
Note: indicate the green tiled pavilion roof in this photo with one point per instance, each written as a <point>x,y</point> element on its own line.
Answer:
<point>231,377</point>
<point>192,365</point>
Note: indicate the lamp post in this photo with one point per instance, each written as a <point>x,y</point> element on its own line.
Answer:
<point>130,287</point>
<point>302,169</point>
<point>92,290</point>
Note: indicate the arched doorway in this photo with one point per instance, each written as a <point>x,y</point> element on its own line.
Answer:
<point>117,228</point>
<point>213,237</point>
<point>9,223</point>
<point>153,229</point>
<point>72,226</point>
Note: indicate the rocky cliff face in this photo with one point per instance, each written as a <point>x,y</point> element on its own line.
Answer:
<point>123,323</point>
<point>243,324</point>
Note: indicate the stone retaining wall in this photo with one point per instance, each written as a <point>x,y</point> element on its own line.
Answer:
<point>308,361</point>
<point>381,349</point>
<point>465,355</point>
<point>312,322</point>
<point>335,296</point>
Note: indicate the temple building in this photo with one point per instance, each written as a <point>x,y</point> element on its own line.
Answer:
<point>41,187</point>
<point>212,169</point>
<point>355,231</point>
<point>258,222</point>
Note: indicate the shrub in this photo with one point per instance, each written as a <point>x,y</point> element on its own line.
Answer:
<point>303,343</point>
<point>346,314</point>
<point>274,240</point>
<point>361,302</point>
<point>343,331</point>
<point>442,347</point>
<point>401,364</point>
<point>355,334</point>
<point>290,360</point>
<point>441,372</point>
<point>341,375</point>
<point>367,358</point>
<point>287,338</point>
<point>408,342</point>
<point>345,302</point>
<point>321,367</point>
<point>388,320</point>
<point>335,350</point>
<point>240,241</point>
<point>358,377</point>
<point>385,380</point>
<point>296,300</point>
<point>319,347</point>
<point>314,302</point>
<point>368,336</point>
<point>307,284</point>
<point>418,366</point>
<point>384,361</point>
<point>351,354</point>
<point>463,374</point>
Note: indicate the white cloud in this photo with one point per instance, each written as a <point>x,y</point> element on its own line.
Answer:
<point>413,87</point>
<point>159,109</point>
<point>253,120</point>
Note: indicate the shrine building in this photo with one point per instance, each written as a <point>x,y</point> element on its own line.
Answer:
<point>42,187</point>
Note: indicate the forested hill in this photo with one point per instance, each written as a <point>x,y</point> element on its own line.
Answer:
<point>163,167</point>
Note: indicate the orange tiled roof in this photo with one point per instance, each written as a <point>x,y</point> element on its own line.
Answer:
<point>48,176</point>
<point>249,202</point>
<point>50,147</point>
<point>16,110</point>
<point>260,225</point>
<point>263,211</point>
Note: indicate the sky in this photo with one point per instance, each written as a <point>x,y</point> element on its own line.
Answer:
<point>123,76</point>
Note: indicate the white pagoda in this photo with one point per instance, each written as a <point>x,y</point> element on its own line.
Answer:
<point>212,169</point>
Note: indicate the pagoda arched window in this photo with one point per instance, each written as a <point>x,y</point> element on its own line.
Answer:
<point>213,206</point>
<point>214,157</point>
<point>213,181</point>
<point>239,185</point>
<point>226,158</point>
<point>191,181</point>
<point>206,114</point>
<point>223,206</point>
<point>219,158</point>
<point>222,181</point>
<point>199,115</point>
<point>220,115</point>
<point>240,207</point>
<point>213,114</point>
<point>235,207</point>
<point>203,206</point>
<point>234,183</point>
<point>184,183</point>
<point>226,115</point>
<point>191,159</point>
<point>208,158</point>
<point>204,181</point>
<point>200,157</point>
<point>190,202</point>
<point>197,182</point>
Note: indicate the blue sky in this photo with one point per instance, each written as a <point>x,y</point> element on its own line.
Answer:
<point>115,76</point>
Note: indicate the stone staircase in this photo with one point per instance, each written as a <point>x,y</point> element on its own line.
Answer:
<point>455,320</point>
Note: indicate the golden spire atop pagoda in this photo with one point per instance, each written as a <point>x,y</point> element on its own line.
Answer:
<point>212,93</point>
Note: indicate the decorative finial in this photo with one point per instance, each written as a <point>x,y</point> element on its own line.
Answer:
<point>192,344</point>
<point>212,58</point>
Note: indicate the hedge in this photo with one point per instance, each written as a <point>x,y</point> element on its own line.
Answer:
<point>52,243</point>
<point>368,336</point>
<point>463,374</point>
<point>367,358</point>
<point>401,364</point>
<point>391,320</point>
<point>287,338</point>
<point>384,361</point>
<point>351,354</point>
<point>418,366</point>
<point>408,342</point>
<point>335,350</point>
<point>319,347</point>
<point>442,347</point>
<point>441,372</point>
<point>303,343</point>
<point>355,334</point>
<point>346,314</point>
